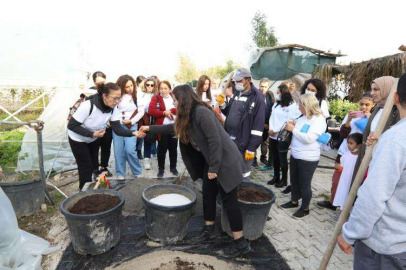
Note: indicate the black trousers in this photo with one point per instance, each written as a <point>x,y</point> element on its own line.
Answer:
<point>167,142</point>
<point>301,174</point>
<point>367,259</point>
<point>230,201</point>
<point>105,147</point>
<point>280,159</point>
<point>86,155</point>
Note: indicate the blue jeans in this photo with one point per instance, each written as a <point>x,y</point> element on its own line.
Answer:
<point>125,150</point>
<point>149,148</point>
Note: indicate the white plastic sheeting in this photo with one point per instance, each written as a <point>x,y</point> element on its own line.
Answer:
<point>54,135</point>
<point>19,250</point>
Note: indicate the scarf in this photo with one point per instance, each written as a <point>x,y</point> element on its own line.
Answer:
<point>385,84</point>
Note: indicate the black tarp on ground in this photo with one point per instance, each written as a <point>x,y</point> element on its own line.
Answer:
<point>134,241</point>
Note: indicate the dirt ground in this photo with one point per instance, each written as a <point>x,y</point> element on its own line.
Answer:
<point>51,225</point>
<point>170,260</point>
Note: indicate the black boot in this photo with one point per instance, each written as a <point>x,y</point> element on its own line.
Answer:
<point>139,155</point>
<point>237,248</point>
<point>274,180</point>
<point>284,181</point>
<point>207,233</point>
<point>287,190</point>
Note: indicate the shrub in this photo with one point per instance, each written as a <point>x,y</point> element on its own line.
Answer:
<point>9,151</point>
<point>339,108</point>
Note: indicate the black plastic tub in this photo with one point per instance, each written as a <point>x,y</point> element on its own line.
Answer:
<point>25,196</point>
<point>167,224</point>
<point>96,233</point>
<point>254,215</point>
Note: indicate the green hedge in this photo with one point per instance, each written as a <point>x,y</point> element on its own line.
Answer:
<point>339,108</point>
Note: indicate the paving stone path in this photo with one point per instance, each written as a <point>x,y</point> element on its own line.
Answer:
<point>303,242</point>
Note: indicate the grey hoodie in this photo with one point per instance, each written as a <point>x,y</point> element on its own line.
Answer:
<point>378,218</point>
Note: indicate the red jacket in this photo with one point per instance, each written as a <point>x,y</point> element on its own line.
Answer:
<point>158,111</point>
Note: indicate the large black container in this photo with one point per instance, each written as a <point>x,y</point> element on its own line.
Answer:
<point>96,233</point>
<point>25,196</point>
<point>254,215</point>
<point>166,224</point>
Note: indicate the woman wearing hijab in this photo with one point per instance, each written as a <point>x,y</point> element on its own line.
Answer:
<point>380,89</point>
<point>209,154</point>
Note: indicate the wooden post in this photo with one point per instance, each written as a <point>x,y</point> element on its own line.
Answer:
<point>358,179</point>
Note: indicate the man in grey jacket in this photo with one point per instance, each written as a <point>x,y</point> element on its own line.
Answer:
<point>377,225</point>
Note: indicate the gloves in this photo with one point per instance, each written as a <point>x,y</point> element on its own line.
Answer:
<point>221,99</point>
<point>249,155</point>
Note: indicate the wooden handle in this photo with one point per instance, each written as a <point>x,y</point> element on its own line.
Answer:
<point>358,178</point>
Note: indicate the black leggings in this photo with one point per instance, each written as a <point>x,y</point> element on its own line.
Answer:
<point>167,142</point>
<point>301,174</point>
<point>280,159</point>
<point>230,202</point>
<point>105,147</point>
<point>86,155</point>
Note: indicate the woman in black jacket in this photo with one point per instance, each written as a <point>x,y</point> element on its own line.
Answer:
<point>210,154</point>
<point>89,123</point>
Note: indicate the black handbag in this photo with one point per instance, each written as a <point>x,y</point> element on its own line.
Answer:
<point>151,138</point>
<point>284,139</point>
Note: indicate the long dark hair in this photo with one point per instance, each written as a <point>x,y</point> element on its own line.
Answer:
<point>200,85</point>
<point>187,103</point>
<point>320,86</point>
<point>98,74</point>
<point>122,81</point>
<point>286,96</point>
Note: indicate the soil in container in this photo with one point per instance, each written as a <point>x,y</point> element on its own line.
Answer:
<point>252,194</point>
<point>94,204</point>
<point>184,265</point>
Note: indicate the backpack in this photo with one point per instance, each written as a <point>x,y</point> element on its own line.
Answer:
<point>75,106</point>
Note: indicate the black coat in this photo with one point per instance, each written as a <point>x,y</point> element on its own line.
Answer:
<point>216,149</point>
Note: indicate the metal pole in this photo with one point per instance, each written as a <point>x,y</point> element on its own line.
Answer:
<point>38,128</point>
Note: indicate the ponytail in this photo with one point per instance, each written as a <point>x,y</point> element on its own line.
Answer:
<point>106,88</point>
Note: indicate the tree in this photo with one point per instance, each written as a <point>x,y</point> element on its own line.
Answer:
<point>187,70</point>
<point>221,71</point>
<point>262,35</point>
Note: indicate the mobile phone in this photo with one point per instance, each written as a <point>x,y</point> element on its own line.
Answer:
<point>359,114</point>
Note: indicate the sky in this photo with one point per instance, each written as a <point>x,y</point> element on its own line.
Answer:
<point>147,37</point>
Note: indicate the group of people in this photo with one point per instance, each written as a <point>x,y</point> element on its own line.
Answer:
<point>218,137</point>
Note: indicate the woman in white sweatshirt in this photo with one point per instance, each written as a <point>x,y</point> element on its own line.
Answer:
<point>305,152</point>
<point>149,88</point>
<point>283,110</point>
<point>131,113</point>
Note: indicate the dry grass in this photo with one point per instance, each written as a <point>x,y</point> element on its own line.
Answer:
<point>360,75</point>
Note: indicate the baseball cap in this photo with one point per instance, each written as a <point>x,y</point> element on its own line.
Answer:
<point>240,74</point>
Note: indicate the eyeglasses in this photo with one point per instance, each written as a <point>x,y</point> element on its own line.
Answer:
<point>115,98</point>
<point>150,85</point>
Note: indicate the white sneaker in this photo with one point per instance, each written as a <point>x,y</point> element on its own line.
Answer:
<point>120,177</point>
<point>147,165</point>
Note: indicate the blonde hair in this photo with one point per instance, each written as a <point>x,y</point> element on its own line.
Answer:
<point>311,105</point>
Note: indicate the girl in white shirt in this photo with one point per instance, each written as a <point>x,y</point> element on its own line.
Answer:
<point>283,110</point>
<point>203,89</point>
<point>131,113</point>
<point>305,152</point>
